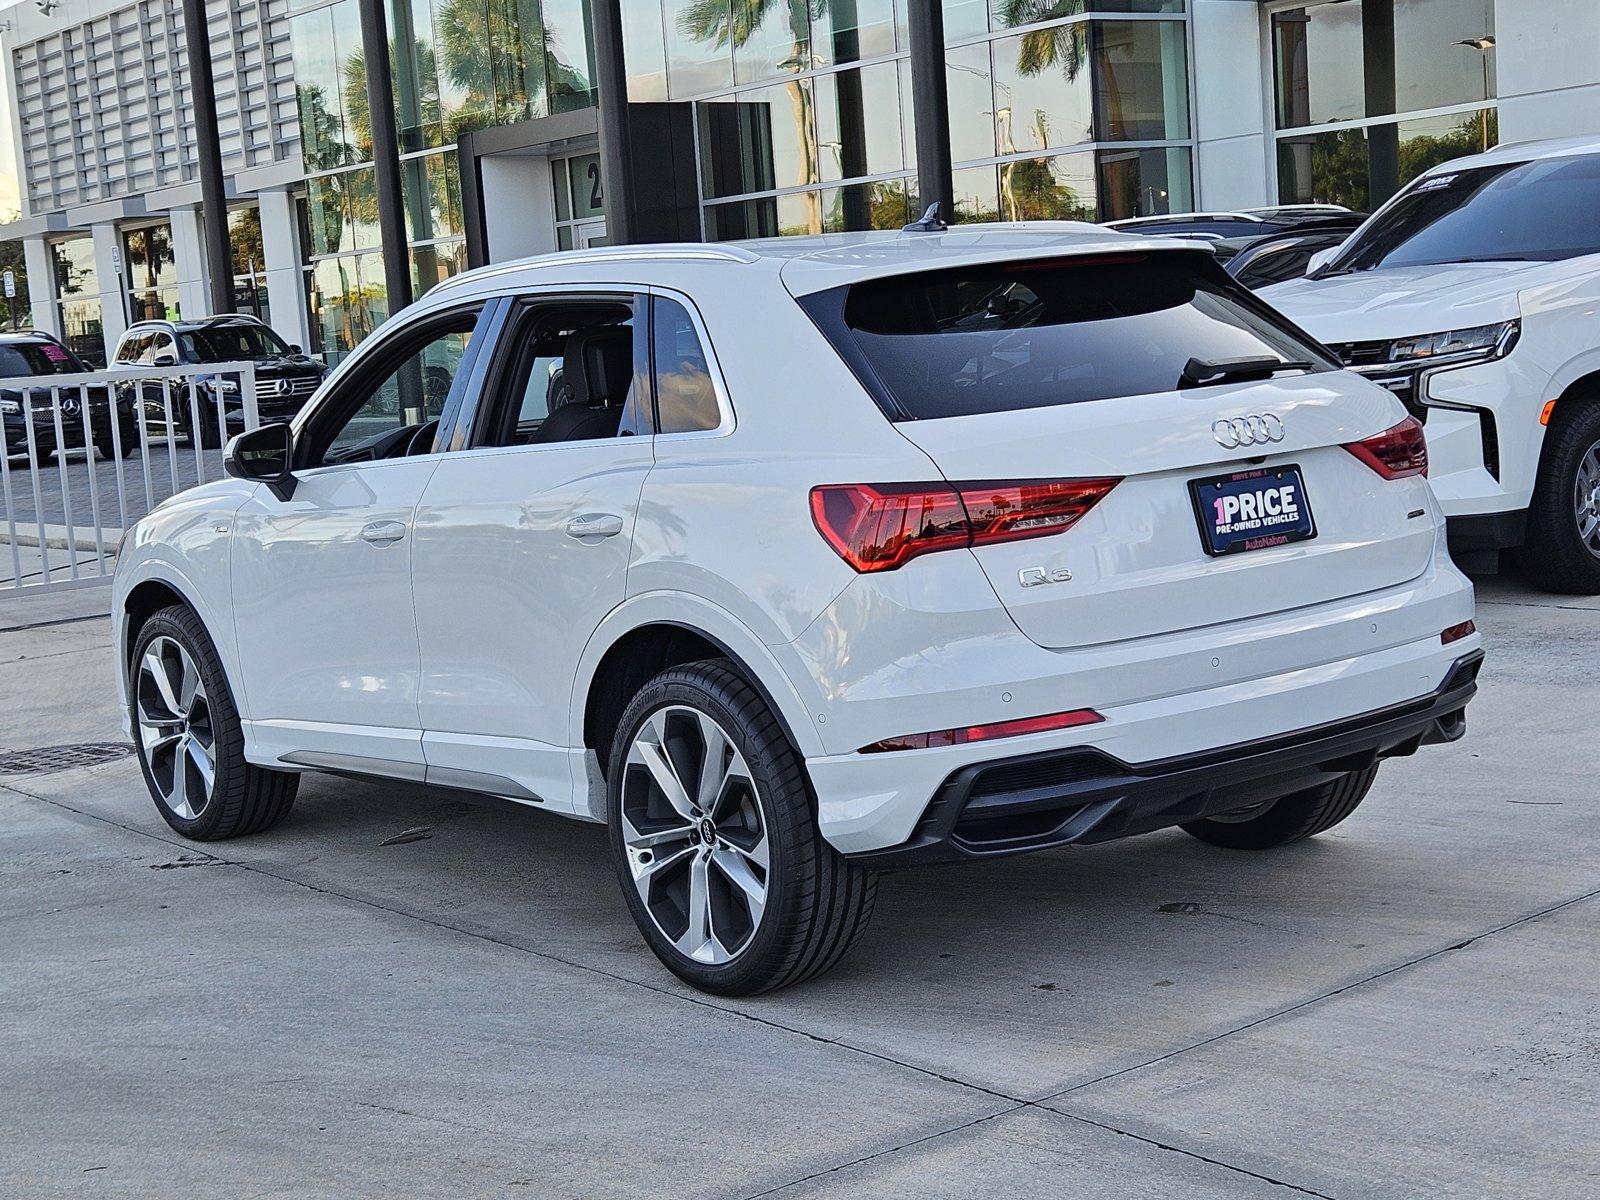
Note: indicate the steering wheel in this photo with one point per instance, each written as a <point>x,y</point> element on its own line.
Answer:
<point>421,440</point>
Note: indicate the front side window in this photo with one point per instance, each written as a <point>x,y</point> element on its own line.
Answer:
<point>160,344</point>
<point>1005,336</point>
<point>1511,212</point>
<point>570,374</point>
<point>686,399</point>
<point>132,347</point>
<point>391,410</point>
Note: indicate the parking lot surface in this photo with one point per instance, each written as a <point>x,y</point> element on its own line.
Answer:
<point>1407,1006</point>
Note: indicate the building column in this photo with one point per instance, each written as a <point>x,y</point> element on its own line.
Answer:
<point>1235,159</point>
<point>41,285</point>
<point>385,156</point>
<point>189,256</point>
<point>930,106</point>
<point>113,288</point>
<point>611,95</point>
<point>286,283</point>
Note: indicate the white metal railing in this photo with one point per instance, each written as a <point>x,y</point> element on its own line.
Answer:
<point>112,417</point>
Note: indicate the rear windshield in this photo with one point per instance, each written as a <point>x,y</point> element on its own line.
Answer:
<point>36,358</point>
<point>1003,336</point>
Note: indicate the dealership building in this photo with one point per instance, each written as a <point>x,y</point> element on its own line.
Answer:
<point>739,118</point>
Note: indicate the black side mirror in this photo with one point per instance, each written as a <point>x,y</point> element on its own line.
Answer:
<point>294,347</point>
<point>165,359</point>
<point>263,455</point>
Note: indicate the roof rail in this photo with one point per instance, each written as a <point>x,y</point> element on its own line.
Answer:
<point>667,253</point>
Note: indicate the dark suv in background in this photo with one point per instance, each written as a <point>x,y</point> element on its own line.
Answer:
<point>32,355</point>
<point>285,376</point>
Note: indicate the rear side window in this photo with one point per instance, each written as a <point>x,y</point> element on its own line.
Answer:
<point>686,399</point>
<point>1003,336</point>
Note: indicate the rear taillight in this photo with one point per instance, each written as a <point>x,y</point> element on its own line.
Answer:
<point>1395,453</point>
<point>881,526</point>
<point>1456,632</point>
<point>983,733</point>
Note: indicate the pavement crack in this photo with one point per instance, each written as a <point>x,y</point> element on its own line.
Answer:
<point>1330,994</point>
<point>887,1151</point>
<point>1196,1155</point>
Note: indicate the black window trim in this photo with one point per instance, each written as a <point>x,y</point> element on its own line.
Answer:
<point>476,421</point>
<point>376,364</point>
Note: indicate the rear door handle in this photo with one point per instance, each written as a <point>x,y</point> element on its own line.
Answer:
<point>594,525</point>
<point>383,533</point>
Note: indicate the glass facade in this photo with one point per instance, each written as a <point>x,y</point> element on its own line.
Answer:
<point>78,293</point>
<point>1055,109</point>
<point>151,273</point>
<point>1368,94</point>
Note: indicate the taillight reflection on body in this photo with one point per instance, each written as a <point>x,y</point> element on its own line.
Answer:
<point>1395,453</point>
<point>881,526</point>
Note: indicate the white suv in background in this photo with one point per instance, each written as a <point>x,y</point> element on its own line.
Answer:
<point>797,560</point>
<point>1474,296</point>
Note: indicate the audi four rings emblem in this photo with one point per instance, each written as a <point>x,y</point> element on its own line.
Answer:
<point>1255,430</point>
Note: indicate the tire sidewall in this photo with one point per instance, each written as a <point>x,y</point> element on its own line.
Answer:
<point>783,881</point>
<point>1555,555</point>
<point>185,628</point>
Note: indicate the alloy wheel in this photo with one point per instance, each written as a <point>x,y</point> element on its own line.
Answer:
<point>174,718</point>
<point>694,834</point>
<point>1586,500</point>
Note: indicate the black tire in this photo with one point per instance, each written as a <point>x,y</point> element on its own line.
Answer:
<point>243,798</point>
<point>817,903</point>
<point>1290,818</point>
<point>108,448</point>
<point>1554,556</point>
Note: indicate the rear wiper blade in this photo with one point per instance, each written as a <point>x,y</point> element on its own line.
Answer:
<point>1200,371</point>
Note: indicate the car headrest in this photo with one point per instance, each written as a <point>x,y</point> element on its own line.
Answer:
<point>598,364</point>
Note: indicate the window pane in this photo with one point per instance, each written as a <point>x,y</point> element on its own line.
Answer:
<point>1431,65</point>
<point>416,74</point>
<point>1042,93</point>
<point>1316,56</point>
<point>758,140</point>
<point>1144,183</point>
<point>466,78</point>
<point>327,223</point>
<point>431,188</point>
<point>1008,14</point>
<point>778,41</point>
<point>971,102</point>
<point>434,264</point>
<point>351,80</point>
<point>588,199</point>
<point>646,43</point>
<point>319,91</point>
<point>1048,189</point>
<point>685,396</point>
<point>963,18</point>
<point>74,262</point>
<point>699,58</point>
<point>361,207</point>
<point>976,196</point>
<point>568,62</point>
<point>847,30</point>
<point>147,257</point>
<point>866,206</point>
<point>744,219</point>
<point>858,122</point>
<point>1361,168</point>
<point>1141,81</point>
<point>244,240</point>
<point>347,301</point>
<point>512,38</point>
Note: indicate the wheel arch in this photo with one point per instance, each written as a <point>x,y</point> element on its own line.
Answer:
<point>647,635</point>
<point>158,583</point>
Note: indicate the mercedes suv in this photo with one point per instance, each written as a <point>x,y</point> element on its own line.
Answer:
<point>32,364</point>
<point>285,377</point>
<point>795,561</point>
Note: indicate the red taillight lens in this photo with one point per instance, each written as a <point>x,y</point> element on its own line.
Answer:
<point>881,526</point>
<point>984,733</point>
<point>1456,632</point>
<point>1395,453</point>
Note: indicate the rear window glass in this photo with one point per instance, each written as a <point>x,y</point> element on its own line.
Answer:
<point>36,358</point>
<point>1004,336</point>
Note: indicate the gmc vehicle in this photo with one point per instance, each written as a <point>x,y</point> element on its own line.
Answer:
<point>1472,296</point>
<point>798,560</point>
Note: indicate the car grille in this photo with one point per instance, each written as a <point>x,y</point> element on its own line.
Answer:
<point>1362,354</point>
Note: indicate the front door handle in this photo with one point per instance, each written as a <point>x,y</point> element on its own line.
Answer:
<point>383,533</point>
<point>594,525</point>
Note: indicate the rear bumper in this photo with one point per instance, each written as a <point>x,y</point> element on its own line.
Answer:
<point>1079,796</point>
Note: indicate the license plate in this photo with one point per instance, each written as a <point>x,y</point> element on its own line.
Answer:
<point>1252,510</point>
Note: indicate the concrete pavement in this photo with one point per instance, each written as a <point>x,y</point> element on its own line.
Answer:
<point>1408,1006</point>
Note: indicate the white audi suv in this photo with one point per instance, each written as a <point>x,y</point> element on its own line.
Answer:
<point>1472,296</point>
<point>799,560</point>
